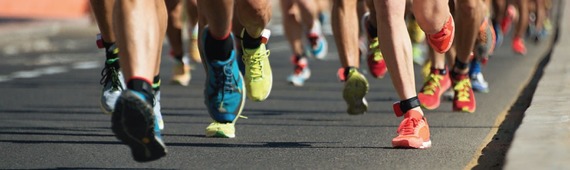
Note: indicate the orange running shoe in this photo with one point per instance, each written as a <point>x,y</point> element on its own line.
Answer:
<point>441,41</point>
<point>518,46</point>
<point>413,131</point>
<point>463,99</point>
<point>437,82</point>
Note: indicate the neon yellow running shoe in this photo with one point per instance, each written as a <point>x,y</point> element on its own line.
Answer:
<point>416,33</point>
<point>258,76</point>
<point>355,88</point>
<point>221,130</point>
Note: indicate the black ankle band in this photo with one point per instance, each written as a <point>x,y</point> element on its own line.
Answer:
<point>250,42</point>
<point>142,86</point>
<point>460,65</point>
<point>408,104</point>
<point>439,71</point>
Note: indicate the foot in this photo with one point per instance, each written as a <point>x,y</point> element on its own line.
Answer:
<point>464,98</point>
<point>301,71</point>
<point>134,123</point>
<point>435,85</point>
<point>413,132</point>
<point>355,88</point>
<point>442,40</point>
<point>258,76</point>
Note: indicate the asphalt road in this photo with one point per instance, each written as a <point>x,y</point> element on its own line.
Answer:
<point>50,116</point>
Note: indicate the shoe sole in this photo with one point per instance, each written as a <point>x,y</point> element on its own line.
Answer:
<point>133,124</point>
<point>408,144</point>
<point>219,134</point>
<point>353,93</point>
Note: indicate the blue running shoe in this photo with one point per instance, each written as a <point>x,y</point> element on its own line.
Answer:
<point>477,81</point>
<point>225,91</point>
<point>134,123</point>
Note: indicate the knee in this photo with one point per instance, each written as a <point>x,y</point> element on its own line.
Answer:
<point>468,8</point>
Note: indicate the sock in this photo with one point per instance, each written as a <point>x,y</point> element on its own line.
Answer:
<point>156,83</point>
<point>372,32</point>
<point>218,49</point>
<point>347,71</point>
<point>143,87</point>
<point>250,42</point>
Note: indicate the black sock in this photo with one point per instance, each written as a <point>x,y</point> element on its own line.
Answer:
<point>179,58</point>
<point>110,50</point>
<point>142,86</point>
<point>347,70</point>
<point>156,83</point>
<point>372,32</point>
<point>218,49</point>
<point>250,42</point>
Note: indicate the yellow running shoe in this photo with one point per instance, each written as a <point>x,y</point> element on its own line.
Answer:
<point>221,130</point>
<point>181,73</point>
<point>258,76</point>
<point>416,33</point>
<point>355,88</point>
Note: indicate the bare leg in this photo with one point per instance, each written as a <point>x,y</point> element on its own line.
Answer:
<point>254,15</point>
<point>103,10</point>
<point>469,17</point>
<point>343,21</point>
<point>397,51</point>
<point>139,35</point>
<point>292,26</point>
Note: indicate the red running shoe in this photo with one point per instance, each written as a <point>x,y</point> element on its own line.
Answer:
<point>518,46</point>
<point>436,84</point>
<point>463,99</point>
<point>413,131</point>
<point>441,41</point>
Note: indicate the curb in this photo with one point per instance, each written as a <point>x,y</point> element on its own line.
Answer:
<point>541,141</point>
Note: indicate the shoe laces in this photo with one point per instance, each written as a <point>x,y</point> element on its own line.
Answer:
<point>408,126</point>
<point>432,84</point>
<point>374,49</point>
<point>225,81</point>
<point>313,39</point>
<point>256,64</point>
<point>462,89</point>
<point>110,74</point>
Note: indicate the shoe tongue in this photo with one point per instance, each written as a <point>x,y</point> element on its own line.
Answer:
<point>413,114</point>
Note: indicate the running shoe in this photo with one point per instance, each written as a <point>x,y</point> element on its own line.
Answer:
<point>418,53</point>
<point>374,57</point>
<point>194,50</point>
<point>355,88</point>
<point>413,131</point>
<point>134,123</point>
<point>225,92</point>
<point>301,71</point>
<point>486,39</point>
<point>416,33</point>
<point>441,41</point>
<point>463,99</point>
<point>258,76</point>
<point>181,72</point>
<point>156,108</point>
<point>112,78</point>
<point>375,60</point>
<point>437,82</point>
<point>477,81</point>
<point>221,130</point>
<point>318,42</point>
<point>507,20</point>
<point>519,46</point>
